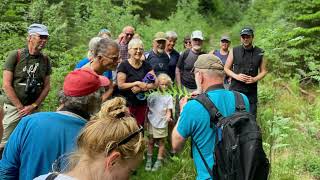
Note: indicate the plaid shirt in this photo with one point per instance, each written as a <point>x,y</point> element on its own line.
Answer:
<point>124,51</point>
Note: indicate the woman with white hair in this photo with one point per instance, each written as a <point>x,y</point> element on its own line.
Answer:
<point>130,80</point>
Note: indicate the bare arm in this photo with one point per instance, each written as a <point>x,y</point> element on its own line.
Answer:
<point>178,76</point>
<point>121,79</point>
<point>177,140</point>
<point>1,123</point>
<point>8,89</point>
<point>108,92</point>
<point>263,70</point>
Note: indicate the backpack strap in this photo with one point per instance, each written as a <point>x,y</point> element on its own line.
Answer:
<point>204,161</point>
<point>240,106</point>
<point>18,56</point>
<point>215,115</point>
<point>52,176</point>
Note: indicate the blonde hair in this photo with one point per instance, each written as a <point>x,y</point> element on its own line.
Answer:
<point>165,77</point>
<point>107,128</point>
<point>134,42</point>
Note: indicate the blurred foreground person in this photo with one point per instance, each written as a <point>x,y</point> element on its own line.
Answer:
<point>41,138</point>
<point>109,147</point>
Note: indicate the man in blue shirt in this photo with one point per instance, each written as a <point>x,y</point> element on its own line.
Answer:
<point>41,138</point>
<point>195,120</point>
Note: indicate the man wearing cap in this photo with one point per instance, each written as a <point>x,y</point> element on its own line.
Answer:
<point>246,65</point>
<point>157,57</point>
<point>223,52</point>
<point>195,120</point>
<point>123,40</point>
<point>184,76</point>
<point>26,79</point>
<point>43,137</point>
<point>104,33</point>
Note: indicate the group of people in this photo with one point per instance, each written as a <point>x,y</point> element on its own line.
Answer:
<point>104,106</point>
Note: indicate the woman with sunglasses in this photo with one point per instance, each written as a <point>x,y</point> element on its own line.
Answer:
<point>109,147</point>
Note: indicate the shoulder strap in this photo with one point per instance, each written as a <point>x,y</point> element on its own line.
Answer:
<point>52,176</point>
<point>185,54</point>
<point>215,115</point>
<point>240,106</point>
<point>202,157</point>
<point>18,56</point>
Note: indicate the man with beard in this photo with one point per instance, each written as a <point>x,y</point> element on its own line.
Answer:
<point>246,65</point>
<point>157,57</point>
<point>172,53</point>
<point>194,120</point>
<point>184,76</point>
<point>26,79</point>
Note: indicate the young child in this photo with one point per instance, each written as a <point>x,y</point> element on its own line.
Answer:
<point>160,112</point>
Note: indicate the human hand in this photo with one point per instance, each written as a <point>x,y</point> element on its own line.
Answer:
<point>183,102</point>
<point>135,89</point>
<point>251,80</point>
<point>242,77</point>
<point>26,111</point>
<point>143,85</point>
<point>195,93</point>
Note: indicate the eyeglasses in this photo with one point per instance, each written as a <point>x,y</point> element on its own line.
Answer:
<point>113,58</point>
<point>126,139</point>
<point>129,34</point>
<point>136,49</point>
<point>187,42</point>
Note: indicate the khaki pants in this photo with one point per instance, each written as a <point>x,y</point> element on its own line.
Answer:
<point>10,121</point>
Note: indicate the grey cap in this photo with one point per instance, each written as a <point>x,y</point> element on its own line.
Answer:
<point>39,29</point>
<point>225,37</point>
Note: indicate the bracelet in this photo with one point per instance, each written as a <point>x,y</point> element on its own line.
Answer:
<point>34,105</point>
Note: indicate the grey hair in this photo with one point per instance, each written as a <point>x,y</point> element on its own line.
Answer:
<point>92,45</point>
<point>135,41</point>
<point>90,103</point>
<point>171,34</point>
<point>103,45</point>
<point>214,73</point>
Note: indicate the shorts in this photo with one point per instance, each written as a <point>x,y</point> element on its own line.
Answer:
<point>157,132</point>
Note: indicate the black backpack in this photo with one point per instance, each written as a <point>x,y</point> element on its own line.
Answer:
<point>239,154</point>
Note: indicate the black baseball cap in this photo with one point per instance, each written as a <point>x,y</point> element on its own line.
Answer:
<point>246,31</point>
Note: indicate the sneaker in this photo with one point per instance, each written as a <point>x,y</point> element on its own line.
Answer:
<point>157,165</point>
<point>148,165</point>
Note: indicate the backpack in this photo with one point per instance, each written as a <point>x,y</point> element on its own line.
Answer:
<point>238,152</point>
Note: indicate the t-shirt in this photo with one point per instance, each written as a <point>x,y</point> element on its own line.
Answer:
<point>195,122</point>
<point>159,62</point>
<point>185,66</point>
<point>59,177</point>
<point>85,61</point>
<point>158,104</point>
<point>174,57</point>
<point>132,75</point>
<point>37,141</point>
<point>36,67</point>
<point>223,58</point>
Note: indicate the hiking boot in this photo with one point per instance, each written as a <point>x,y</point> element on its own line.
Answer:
<point>157,165</point>
<point>148,165</point>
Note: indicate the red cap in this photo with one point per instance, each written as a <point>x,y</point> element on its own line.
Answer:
<point>82,82</point>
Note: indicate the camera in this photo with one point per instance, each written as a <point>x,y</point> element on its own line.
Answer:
<point>31,85</point>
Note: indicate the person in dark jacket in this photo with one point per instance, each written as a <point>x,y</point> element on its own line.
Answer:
<point>246,65</point>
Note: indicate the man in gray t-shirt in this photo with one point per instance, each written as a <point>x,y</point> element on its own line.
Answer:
<point>185,64</point>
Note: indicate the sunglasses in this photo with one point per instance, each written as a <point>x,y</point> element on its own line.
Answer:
<point>187,42</point>
<point>129,34</point>
<point>126,139</point>
<point>43,37</point>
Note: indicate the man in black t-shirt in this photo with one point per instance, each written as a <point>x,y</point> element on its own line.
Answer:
<point>184,76</point>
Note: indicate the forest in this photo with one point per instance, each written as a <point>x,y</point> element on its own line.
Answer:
<point>287,30</point>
